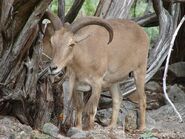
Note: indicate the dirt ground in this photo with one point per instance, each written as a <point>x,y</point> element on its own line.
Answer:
<point>166,123</point>
<point>162,123</point>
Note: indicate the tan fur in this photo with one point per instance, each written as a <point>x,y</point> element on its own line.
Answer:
<point>102,66</point>
<point>47,49</point>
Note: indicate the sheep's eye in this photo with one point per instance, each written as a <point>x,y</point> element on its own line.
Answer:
<point>72,44</point>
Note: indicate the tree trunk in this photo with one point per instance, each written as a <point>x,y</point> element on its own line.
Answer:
<point>114,9</point>
<point>22,93</point>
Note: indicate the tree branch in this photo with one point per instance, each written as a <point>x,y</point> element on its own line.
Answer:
<point>24,35</point>
<point>148,20</point>
<point>112,9</point>
<point>103,8</point>
<point>166,68</point>
<point>61,9</point>
<point>158,7</point>
<point>31,23</point>
<point>6,9</point>
<point>73,12</point>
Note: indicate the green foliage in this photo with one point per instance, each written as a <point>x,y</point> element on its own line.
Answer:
<point>139,9</point>
<point>54,6</point>
<point>152,32</point>
<point>88,7</point>
<point>68,4</point>
<point>147,135</point>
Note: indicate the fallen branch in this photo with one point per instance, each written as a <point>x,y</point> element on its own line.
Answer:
<point>148,20</point>
<point>166,67</point>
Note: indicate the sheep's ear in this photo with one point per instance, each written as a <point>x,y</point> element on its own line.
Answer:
<point>79,38</point>
<point>51,40</point>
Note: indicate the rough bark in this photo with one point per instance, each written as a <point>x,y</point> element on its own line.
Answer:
<point>159,52</point>
<point>23,93</point>
<point>114,9</point>
<point>148,20</point>
<point>9,58</point>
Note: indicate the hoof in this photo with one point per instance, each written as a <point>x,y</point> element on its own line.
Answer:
<point>142,128</point>
<point>111,126</point>
<point>89,128</point>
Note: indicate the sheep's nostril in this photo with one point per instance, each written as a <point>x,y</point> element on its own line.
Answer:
<point>62,72</point>
<point>53,68</point>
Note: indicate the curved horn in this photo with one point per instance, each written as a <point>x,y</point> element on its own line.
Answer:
<point>55,20</point>
<point>85,21</point>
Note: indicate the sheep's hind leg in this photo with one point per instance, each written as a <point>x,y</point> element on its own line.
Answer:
<point>139,75</point>
<point>116,102</point>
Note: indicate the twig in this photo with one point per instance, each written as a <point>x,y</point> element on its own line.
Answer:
<point>5,98</point>
<point>2,84</point>
<point>43,72</point>
<point>46,56</point>
<point>166,68</point>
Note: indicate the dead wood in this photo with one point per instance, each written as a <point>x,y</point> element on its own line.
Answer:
<point>12,53</point>
<point>61,9</point>
<point>22,93</point>
<point>148,20</point>
<point>111,9</point>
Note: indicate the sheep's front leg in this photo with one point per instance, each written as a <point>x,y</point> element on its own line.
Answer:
<point>79,106</point>
<point>76,97</point>
<point>116,102</point>
<point>72,82</point>
<point>92,104</point>
<point>139,75</point>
